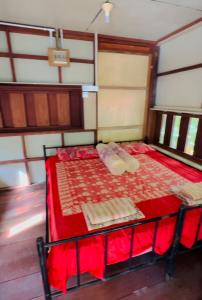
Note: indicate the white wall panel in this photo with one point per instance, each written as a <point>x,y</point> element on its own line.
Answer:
<point>90,111</point>
<point>181,51</point>
<point>182,89</point>
<point>3,42</point>
<point>13,175</point>
<point>37,171</point>
<point>79,49</point>
<point>30,70</point>
<point>79,138</point>
<point>118,135</point>
<point>121,107</point>
<point>128,70</point>
<point>30,44</point>
<point>34,143</point>
<point>5,69</point>
<point>11,148</point>
<point>78,73</point>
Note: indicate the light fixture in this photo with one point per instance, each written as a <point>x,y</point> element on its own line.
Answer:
<point>107,8</point>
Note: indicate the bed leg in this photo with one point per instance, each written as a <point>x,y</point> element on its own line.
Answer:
<point>47,216</point>
<point>170,262</point>
<point>42,260</point>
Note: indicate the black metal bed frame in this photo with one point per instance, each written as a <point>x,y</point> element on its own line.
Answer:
<point>43,247</point>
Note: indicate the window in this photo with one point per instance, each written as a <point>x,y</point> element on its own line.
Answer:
<point>175,132</point>
<point>191,136</point>
<point>180,133</point>
<point>163,128</point>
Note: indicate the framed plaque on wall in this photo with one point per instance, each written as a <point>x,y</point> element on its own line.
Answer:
<point>58,57</point>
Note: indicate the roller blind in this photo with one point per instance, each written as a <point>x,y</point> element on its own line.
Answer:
<point>122,95</point>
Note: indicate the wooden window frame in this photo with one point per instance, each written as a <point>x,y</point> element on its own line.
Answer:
<point>185,117</point>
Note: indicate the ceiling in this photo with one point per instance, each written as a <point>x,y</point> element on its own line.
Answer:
<point>145,19</point>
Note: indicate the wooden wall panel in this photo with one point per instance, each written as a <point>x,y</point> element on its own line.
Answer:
<point>1,120</point>
<point>41,109</point>
<point>53,109</point>
<point>30,109</point>
<point>76,109</point>
<point>6,110</point>
<point>17,105</point>
<point>63,109</point>
<point>152,117</point>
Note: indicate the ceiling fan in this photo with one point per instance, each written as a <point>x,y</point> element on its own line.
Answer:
<point>106,8</point>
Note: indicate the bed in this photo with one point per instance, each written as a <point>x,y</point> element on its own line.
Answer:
<point>71,250</point>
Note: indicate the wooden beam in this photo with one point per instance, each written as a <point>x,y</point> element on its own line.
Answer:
<point>169,124</point>
<point>10,55</point>
<point>198,143</point>
<point>59,74</point>
<point>153,77</point>
<point>188,68</point>
<point>42,57</point>
<point>46,131</point>
<point>182,154</point>
<point>68,34</point>
<point>24,30</point>
<point>25,158</point>
<point>125,40</point>
<point>123,48</point>
<point>29,87</point>
<point>78,35</point>
<point>183,133</point>
<point>157,127</point>
<point>179,30</point>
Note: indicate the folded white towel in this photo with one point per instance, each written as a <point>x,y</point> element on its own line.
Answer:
<point>106,213</point>
<point>190,193</point>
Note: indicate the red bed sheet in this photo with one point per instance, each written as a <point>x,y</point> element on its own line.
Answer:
<point>62,259</point>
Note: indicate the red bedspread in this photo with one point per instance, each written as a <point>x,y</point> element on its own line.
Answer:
<point>62,259</point>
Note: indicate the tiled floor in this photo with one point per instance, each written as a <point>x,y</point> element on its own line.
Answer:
<point>22,220</point>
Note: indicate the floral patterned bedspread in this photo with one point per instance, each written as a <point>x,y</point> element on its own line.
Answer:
<point>81,181</point>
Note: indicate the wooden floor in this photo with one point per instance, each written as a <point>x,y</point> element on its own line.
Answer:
<point>22,220</point>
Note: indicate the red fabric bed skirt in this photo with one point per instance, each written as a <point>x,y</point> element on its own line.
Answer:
<point>62,259</point>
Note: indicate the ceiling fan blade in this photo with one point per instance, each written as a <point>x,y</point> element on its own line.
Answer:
<point>95,17</point>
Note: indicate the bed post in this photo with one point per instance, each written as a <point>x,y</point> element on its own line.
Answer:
<point>44,152</point>
<point>170,262</point>
<point>46,203</point>
<point>42,261</point>
<point>47,215</point>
